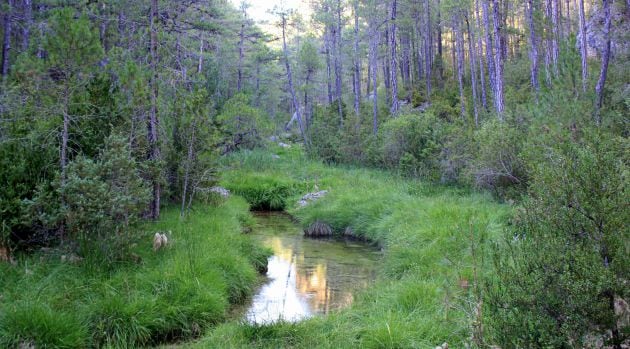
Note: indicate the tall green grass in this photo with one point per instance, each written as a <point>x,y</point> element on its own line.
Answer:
<point>170,295</point>
<point>428,234</point>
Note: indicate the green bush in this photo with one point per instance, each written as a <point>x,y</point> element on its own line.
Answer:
<point>412,144</point>
<point>264,191</point>
<point>565,262</point>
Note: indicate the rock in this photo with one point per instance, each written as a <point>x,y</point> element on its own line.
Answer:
<point>284,145</point>
<point>306,199</point>
<point>224,193</point>
<point>275,156</point>
<point>318,229</point>
<point>71,258</point>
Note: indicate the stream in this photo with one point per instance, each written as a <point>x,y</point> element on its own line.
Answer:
<point>307,277</point>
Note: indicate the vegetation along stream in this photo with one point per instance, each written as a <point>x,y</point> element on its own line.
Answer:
<point>307,276</point>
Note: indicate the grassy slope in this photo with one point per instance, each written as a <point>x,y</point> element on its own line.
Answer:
<point>170,295</point>
<point>426,234</point>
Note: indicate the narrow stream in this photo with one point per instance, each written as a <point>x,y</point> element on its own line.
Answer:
<point>306,276</point>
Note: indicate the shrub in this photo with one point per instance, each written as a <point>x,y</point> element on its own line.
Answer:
<point>412,143</point>
<point>565,262</point>
<point>263,191</point>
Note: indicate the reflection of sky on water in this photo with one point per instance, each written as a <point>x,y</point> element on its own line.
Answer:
<point>306,276</point>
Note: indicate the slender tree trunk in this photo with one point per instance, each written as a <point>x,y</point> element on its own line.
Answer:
<point>386,68</point>
<point>439,37</point>
<point>200,63</point>
<point>498,64</point>
<point>428,48</point>
<point>153,122</point>
<point>489,45</point>
<point>601,82</point>
<point>583,45</point>
<point>473,70</point>
<point>328,65</point>
<point>28,22</point>
<point>189,160</point>
<point>393,57</point>
<point>338,67</point>
<point>241,42</point>
<point>6,42</point>
<point>374,38</point>
<point>482,75</point>
<point>102,28</point>
<point>459,52</point>
<point>533,49</point>
<point>296,104</point>
<point>555,51</point>
<point>357,61</point>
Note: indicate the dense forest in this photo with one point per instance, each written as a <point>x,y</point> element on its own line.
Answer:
<point>482,145</point>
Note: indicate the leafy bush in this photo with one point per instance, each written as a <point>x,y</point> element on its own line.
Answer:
<point>244,126</point>
<point>565,262</point>
<point>411,143</point>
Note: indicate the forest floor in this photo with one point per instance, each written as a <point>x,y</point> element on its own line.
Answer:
<point>434,238</point>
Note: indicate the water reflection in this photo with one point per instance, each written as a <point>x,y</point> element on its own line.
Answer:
<point>306,276</point>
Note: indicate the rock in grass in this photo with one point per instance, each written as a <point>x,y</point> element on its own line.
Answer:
<point>224,193</point>
<point>318,229</point>
<point>311,197</point>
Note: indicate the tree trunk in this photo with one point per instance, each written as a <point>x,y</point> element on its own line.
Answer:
<point>482,75</point>
<point>386,68</point>
<point>189,160</point>
<point>428,49</point>
<point>338,67</point>
<point>241,42</point>
<point>357,62</point>
<point>489,45</point>
<point>153,122</point>
<point>583,45</point>
<point>28,22</point>
<point>374,38</point>
<point>459,52</point>
<point>555,51</point>
<point>533,49</point>
<point>296,104</point>
<point>439,37</point>
<point>200,63</point>
<point>328,64</point>
<point>393,57</point>
<point>6,42</point>
<point>498,64</point>
<point>599,89</point>
<point>473,70</point>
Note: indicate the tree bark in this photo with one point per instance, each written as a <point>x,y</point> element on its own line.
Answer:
<point>153,122</point>
<point>498,64</point>
<point>459,52</point>
<point>482,75</point>
<point>439,37</point>
<point>393,57</point>
<point>6,42</point>
<point>489,45</point>
<point>583,45</point>
<point>473,70</point>
<point>241,42</point>
<point>338,67</point>
<point>327,45</point>
<point>374,38</point>
<point>428,59</point>
<point>601,82</point>
<point>533,49</point>
<point>357,61</point>
<point>28,22</point>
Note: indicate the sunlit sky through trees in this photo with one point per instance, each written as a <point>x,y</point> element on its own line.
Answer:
<point>261,10</point>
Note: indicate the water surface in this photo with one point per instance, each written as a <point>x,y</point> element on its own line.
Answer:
<point>307,276</point>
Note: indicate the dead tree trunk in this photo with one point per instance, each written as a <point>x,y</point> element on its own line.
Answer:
<point>489,45</point>
<point>328,64</point>
<point>482,75</point>
<point>459,52</point>
<point>241,42</point>
<point>28,22</point>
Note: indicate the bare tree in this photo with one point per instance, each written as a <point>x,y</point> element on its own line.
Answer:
<point>583,45</point>
<point>153,122</point>
<point>357,60</point>
<point>533,49</point>
<point>6,41</point>
<point>393,57</point>
<point>498,64</point>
